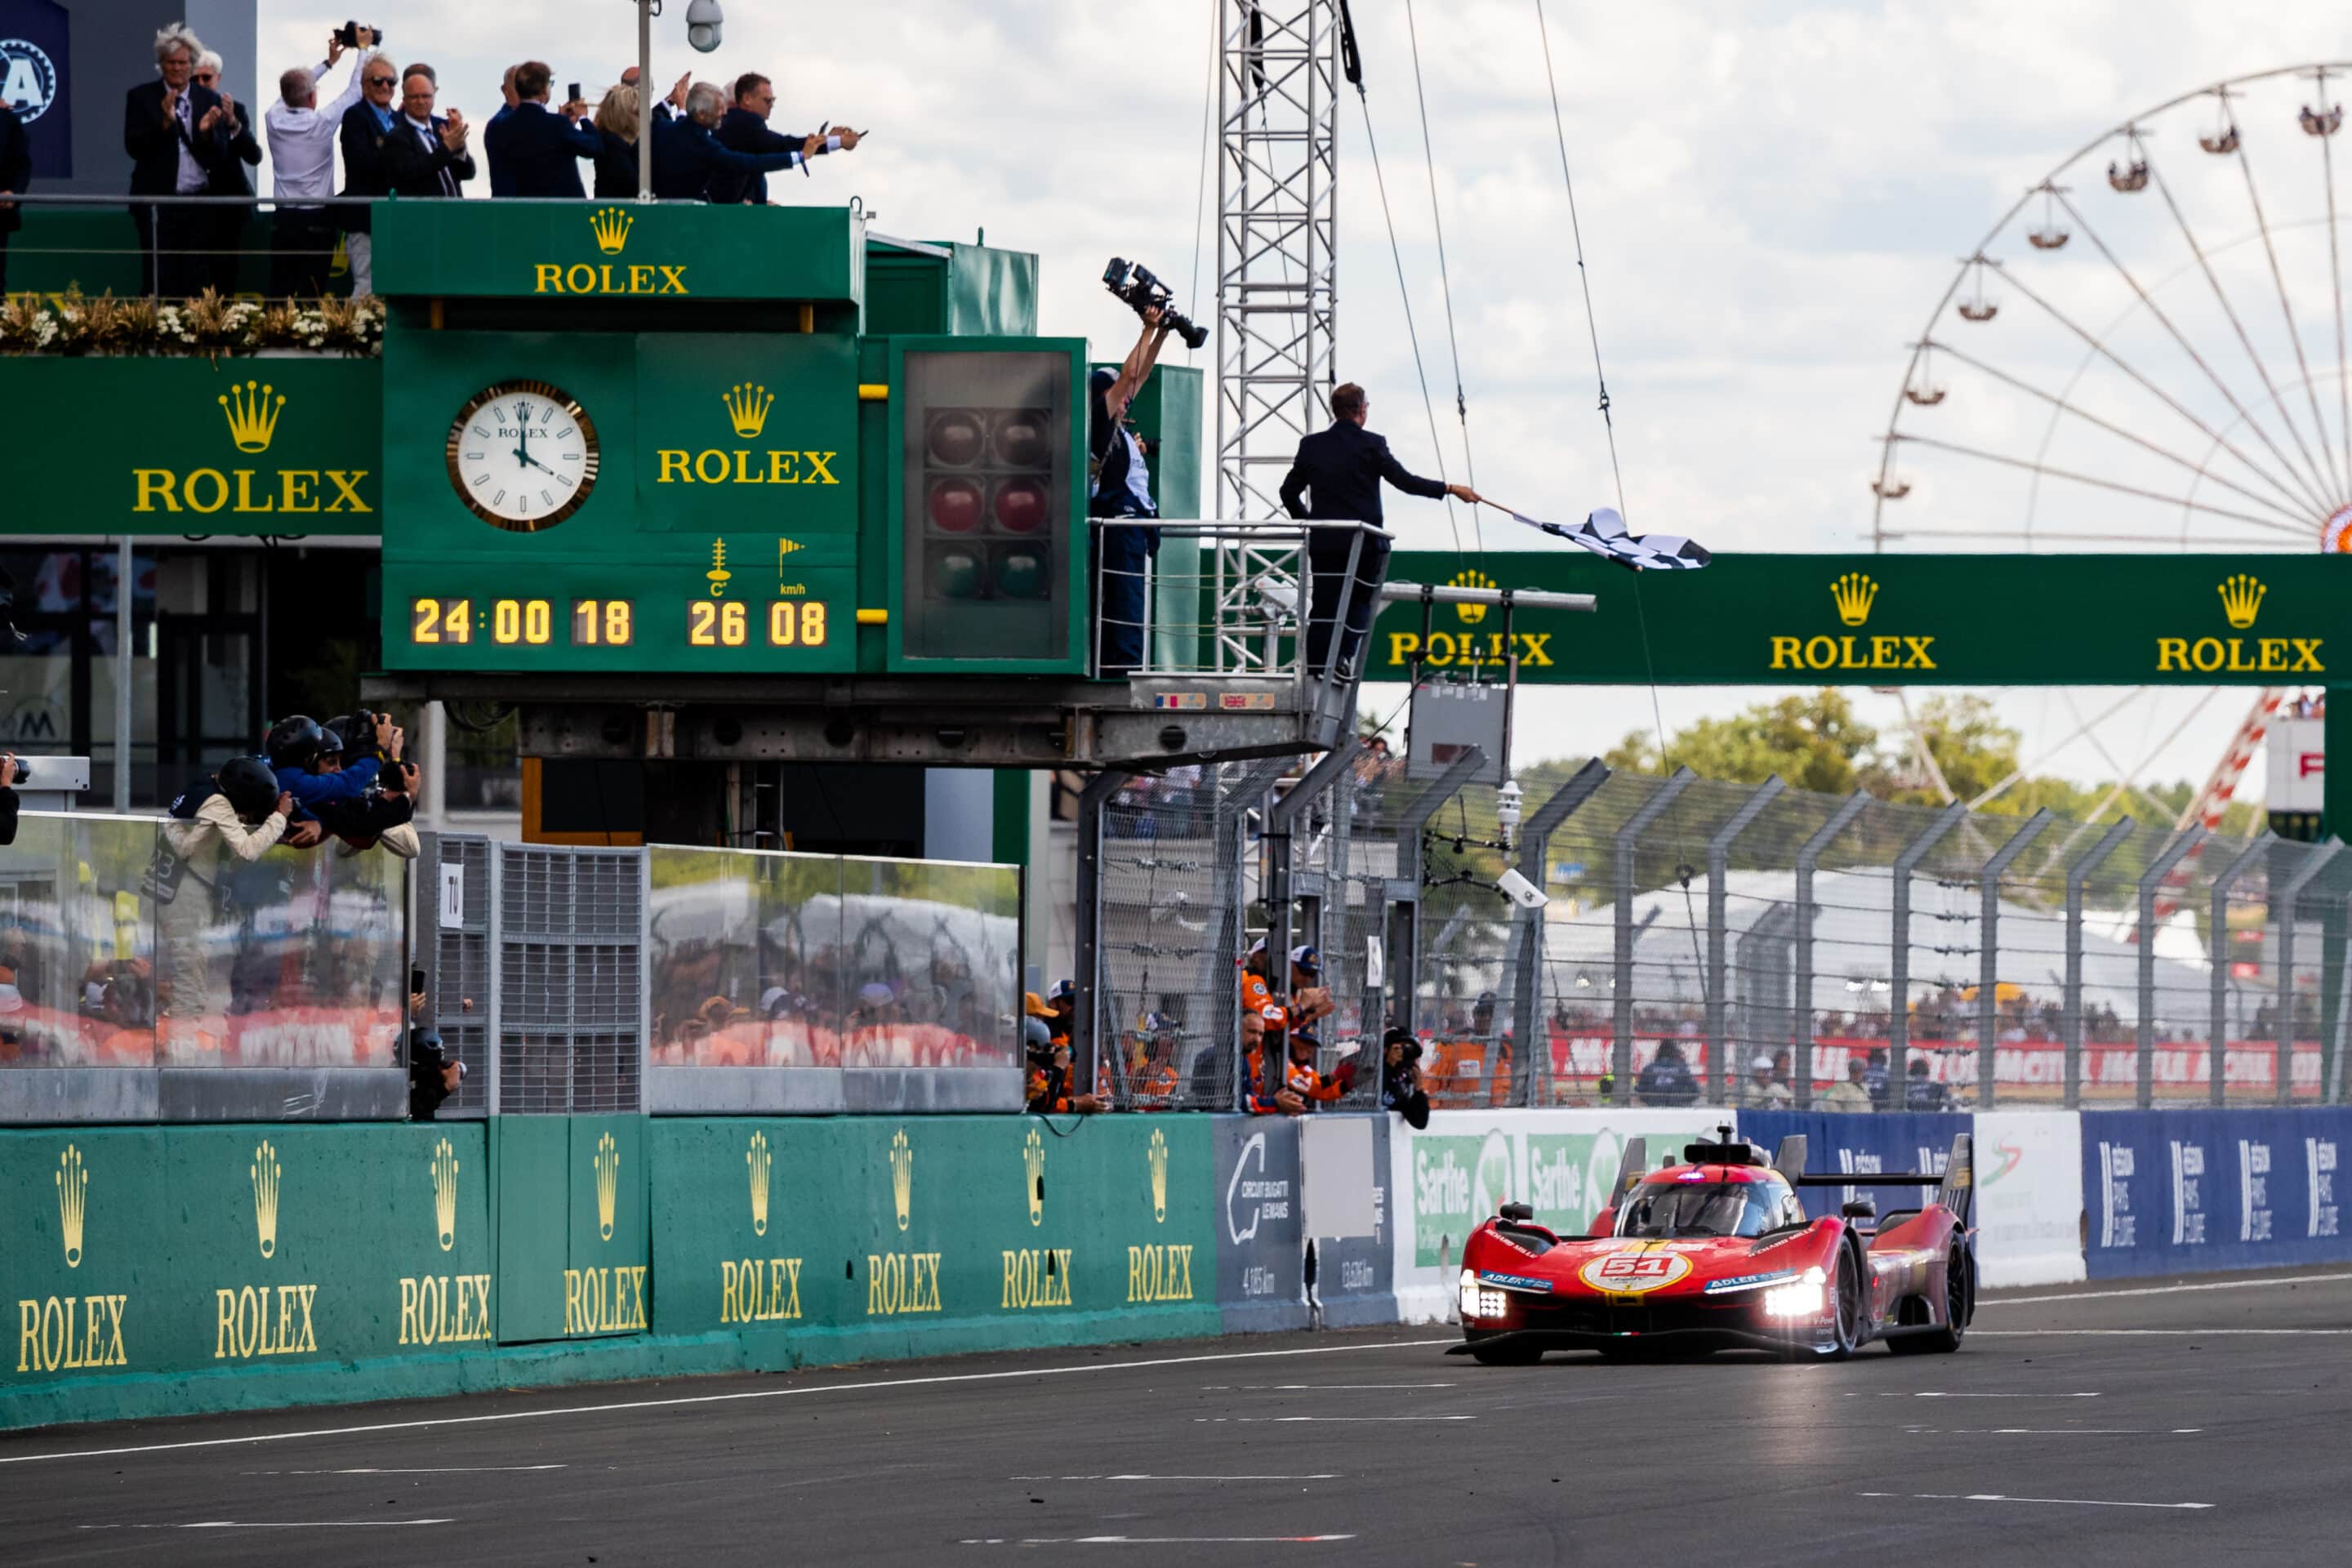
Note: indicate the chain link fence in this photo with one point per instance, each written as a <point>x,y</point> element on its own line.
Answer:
<point>1708,943</point>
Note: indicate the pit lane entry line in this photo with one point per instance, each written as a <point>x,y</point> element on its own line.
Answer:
<point>2156,1290</point>
<point>682,1400</point>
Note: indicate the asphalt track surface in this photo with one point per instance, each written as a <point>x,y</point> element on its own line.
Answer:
<point>2144,1423</point>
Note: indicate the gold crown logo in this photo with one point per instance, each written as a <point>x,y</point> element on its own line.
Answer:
<point>612,225</point>
<point>265,1173</point>
<point>73,1194</point>
<point>756,1157</point>
<point>2242,599</point>
<point>1470,613</point>
<point>444,1193</point>
<point>1853,593</point>
<point>747,408</point>
<point>1033,1157</point>
<point>608,1185</point>
<point>902,1177</point>
<point>252,411</point>
<point>1156,1156</point>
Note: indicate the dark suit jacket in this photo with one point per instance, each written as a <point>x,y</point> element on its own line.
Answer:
<point>153,140</point>
<point>15,166</point>
<point>616,168</point>
<point>687,157</point>
<point>363,168</point>
<point>228,177</point>
<point>745,131</point>
<point>535,151</point>
<point>414,171</point>
<point>1343,467</point>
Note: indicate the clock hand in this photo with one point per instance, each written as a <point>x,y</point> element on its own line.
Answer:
<point>535,463</point>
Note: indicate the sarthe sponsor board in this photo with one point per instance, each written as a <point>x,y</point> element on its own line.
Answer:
<point>1452,1176</point>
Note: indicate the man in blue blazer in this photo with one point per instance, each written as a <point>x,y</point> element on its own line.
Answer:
<point>535,151</point>
<point>688,157</point>
<point>745,128</point>
<point>1336,477</point>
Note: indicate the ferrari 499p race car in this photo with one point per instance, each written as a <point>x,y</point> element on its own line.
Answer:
<point>1716,1253</point>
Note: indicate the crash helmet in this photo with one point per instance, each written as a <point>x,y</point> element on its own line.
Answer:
<point>295,743</point>
<point>331,743</point>
<point>249,785</point>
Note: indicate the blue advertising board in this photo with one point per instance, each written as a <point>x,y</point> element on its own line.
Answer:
<point>36,80</point>
<point>1861,1146</point>
<point>2178,1191</point>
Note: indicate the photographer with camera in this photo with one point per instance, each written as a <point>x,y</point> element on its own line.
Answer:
<point>302,166</point>
<point>1047,1087</point>
<point>434,1070</point>
<point>241,812</point>
<point>1400,1089</point>
<point>296,746</point>
<point>383,816</point>
<point>1122,481</point>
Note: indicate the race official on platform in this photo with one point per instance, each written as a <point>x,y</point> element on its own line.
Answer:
<point>1336,477</point>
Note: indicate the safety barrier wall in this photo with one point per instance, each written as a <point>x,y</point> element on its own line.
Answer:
<point>149,1271</point>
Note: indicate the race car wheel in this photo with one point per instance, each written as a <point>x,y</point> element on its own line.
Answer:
<point>1845,1317</point>
<point>1959,1306</point>
<point>1507,1353</point>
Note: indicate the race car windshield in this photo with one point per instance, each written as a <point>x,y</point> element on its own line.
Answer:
<point>1697,1208</point>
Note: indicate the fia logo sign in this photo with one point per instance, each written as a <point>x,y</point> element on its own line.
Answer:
<point>28,79</point>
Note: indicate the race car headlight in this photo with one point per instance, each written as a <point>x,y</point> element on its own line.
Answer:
<point>1801,1297</point>
<point>1469,1294</point>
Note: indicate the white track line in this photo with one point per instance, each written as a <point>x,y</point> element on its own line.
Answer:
<point>278,1525</point>
<point>711,1399</point>
<point>2158,1290</point>
<point>2144,1333</point>
<point>2068,1502</point>
<point>1157,1540</point>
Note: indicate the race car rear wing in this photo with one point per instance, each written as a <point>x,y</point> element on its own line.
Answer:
<point>1955,1188</point>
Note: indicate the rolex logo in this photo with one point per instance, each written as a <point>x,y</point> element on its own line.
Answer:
<point>1156,1157</point>
<point>444,1193</point>
<point>252,411</point>
<point>756,1157</point>
<point>73,1194</point>
<point>1470,613</point>
<point>265,1173</point>
<point>2242,599</point>
<point>902,1177</point>
<point>612,225</point>
<point>1853,593</point>
<point>747,408</point>
<point>608,1185</point>
<point>1032,1158</point>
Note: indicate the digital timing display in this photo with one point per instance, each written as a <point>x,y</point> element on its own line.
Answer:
<point>611,623</point>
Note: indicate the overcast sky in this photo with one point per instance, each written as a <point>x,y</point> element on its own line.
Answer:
<point>1772,197</point>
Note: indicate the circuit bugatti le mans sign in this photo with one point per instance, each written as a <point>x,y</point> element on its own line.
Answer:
<point>1887,620</point>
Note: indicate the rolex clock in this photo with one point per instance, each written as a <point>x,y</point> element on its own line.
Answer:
<point>523,454</point>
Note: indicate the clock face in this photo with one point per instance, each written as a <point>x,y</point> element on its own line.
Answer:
<point>523,454</point>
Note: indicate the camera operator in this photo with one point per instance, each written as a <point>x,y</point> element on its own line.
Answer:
<point>302,164</point>
<point>296,746</point>
<point>1048,1082</point>
<point>1122,487</point>
<point>240,811</point>
<point>433,1070</point>
<point>1400,1089</point>
<point>383,816</point>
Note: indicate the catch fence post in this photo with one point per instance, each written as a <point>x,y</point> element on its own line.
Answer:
<point>1989,954</point>
<point>1807,858</point>
<point>2283,904</point>
<point>1085,1016</point>
<point>1534,1040</point>
<point>1622,890</point>
<point>1405,967</point>
<point>1898,980</point>
<point>2150,882</point>
<point>2218,943</point>
<point>2070,1023</point>
<point>1718,868</point>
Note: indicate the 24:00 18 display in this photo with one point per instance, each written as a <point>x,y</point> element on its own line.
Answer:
<point>611,623</point>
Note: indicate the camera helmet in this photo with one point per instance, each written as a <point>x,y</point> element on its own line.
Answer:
<point>250,785</point>
<point>295,743</point>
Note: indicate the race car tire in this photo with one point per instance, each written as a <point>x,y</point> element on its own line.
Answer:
<point>1509,1353</point>
<point>1846,1308</point>
<point>1959,1306</point>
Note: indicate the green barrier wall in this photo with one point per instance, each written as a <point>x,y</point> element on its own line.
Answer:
<point>159,1272</point>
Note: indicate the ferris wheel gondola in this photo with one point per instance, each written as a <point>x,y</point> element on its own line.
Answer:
<point>2051,234</point>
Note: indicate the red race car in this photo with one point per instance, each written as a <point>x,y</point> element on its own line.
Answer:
<point>1716,1253</point>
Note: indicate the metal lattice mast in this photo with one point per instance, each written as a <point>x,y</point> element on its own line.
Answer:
<point>1277,230</point>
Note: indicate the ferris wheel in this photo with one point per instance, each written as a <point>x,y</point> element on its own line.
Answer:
<point>2147,351</point>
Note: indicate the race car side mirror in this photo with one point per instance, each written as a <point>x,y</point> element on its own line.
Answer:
<point>1859,1208</point>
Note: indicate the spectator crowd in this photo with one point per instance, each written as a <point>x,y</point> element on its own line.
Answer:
<point>385,123</point>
